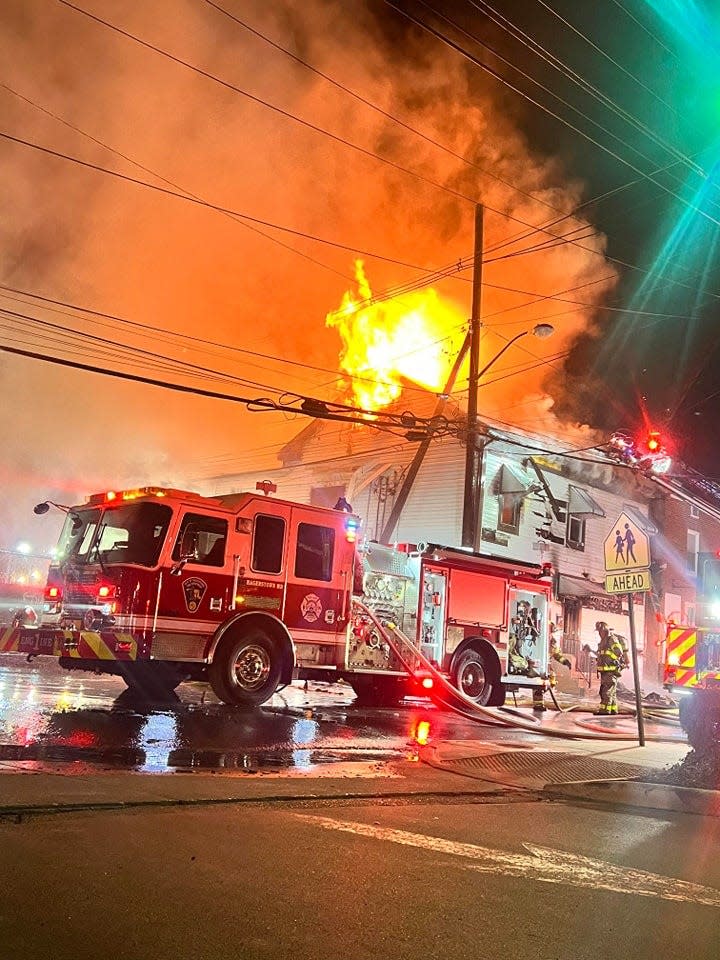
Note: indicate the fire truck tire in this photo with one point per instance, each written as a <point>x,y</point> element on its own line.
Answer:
<point>246,669</point>
<point>473,676</point>
<point>700,719</point>
<point>378,691</point>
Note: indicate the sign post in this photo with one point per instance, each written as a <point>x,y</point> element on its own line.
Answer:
<point>627,571</point>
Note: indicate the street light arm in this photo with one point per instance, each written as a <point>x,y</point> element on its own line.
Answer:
<point>497,356</point>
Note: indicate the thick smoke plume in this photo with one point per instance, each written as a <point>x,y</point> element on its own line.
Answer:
<point>76,235</point>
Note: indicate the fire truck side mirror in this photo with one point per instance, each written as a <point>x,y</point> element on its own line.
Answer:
<point>189,546</point>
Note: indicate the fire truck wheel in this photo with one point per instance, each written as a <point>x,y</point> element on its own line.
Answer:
<point>246,669</point>
<point>472,675</point>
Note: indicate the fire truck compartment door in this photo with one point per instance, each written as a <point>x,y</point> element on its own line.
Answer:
<point>477,598</point>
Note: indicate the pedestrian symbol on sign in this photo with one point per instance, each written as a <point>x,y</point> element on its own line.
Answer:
<point>627,547</point>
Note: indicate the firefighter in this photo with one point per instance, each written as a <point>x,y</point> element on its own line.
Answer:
<point>611,661</point>
<point>557,655</point>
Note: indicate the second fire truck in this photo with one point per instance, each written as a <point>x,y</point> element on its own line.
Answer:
<point>692,674</point>
<point>248,592</point>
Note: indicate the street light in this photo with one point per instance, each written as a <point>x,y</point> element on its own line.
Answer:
<point>541,330</point>
<point>473,452</point>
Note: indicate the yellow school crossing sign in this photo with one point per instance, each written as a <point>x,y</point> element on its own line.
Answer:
<point>627,557</point>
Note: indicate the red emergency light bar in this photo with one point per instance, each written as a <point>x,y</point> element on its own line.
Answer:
<point>110,496</point>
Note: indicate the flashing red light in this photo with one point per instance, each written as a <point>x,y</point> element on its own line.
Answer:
<point>53,593</point>
<point>110,495</point>
<point>427,683</point>
<point>654,441</point>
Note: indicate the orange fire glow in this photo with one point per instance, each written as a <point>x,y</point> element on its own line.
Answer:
<point>414,337</point>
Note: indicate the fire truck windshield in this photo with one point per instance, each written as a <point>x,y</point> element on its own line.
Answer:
<point>126,533</point>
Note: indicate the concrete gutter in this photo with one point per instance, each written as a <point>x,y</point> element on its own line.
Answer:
<point>635,793</point>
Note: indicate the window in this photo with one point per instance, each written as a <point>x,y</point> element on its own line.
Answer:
<point>202,537</point>
<point>314,555</point>
<point>575,532</point>
<point>509,510</point>
<point>693,548</point>
<point>268,541</point>
<point>694,512</point>
<point>128,533</point>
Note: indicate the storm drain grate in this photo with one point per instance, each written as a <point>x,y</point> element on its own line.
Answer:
<point>543,766</point>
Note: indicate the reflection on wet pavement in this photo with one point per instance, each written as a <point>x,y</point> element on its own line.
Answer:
<point>50,717</point>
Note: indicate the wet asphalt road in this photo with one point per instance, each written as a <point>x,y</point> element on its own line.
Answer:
<point>50,717</point>
<point>361,881</point>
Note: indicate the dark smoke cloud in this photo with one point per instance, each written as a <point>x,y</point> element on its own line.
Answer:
<point>75,235</point>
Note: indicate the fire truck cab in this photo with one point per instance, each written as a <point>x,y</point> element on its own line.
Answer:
<point>163,585</point>
<point>247,592</point>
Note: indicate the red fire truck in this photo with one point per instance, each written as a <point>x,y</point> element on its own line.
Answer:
<point>692,674</point>
<point>247,592</point>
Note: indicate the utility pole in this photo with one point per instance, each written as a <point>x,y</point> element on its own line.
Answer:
<point>474,450</point>
<point>422,450</point>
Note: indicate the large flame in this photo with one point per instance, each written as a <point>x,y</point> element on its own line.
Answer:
<point>410,337</point>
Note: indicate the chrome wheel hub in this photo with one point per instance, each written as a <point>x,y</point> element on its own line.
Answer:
<point>251,667</point>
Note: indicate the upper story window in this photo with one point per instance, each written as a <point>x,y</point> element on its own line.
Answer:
<point>268,542</point>
<point>694,512</point>
<point>575,532</point>
<point>315,551</point>
<point>509,512</point>
<point>693,549</point>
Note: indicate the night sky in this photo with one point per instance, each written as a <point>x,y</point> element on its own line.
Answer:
<point>596,121</point>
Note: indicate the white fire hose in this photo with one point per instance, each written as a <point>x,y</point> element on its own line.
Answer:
<point>447,695</point>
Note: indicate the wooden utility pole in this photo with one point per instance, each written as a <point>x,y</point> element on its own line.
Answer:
<point>471,526</point>
<point>422,450</point>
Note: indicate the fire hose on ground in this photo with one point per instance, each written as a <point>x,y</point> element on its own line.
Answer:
<point>445,694</point>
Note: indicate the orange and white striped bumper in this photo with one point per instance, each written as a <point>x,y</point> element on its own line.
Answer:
<point>83,645</point>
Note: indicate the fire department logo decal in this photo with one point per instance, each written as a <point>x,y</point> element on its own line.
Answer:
<point>311,607</point>
<point>194,590</point>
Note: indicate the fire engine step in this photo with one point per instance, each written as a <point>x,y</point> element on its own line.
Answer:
<point>534,768</point>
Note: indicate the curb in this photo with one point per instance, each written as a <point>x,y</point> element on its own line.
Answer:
<point>634,793</point>
<point>19,812</point>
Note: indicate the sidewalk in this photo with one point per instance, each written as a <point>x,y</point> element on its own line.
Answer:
<point>591,771</point>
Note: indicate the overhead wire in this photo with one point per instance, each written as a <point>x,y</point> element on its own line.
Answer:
<point>287,115</point>
<point>532,44</point>
<point>203,342</point>
<point>172,183</point>
<point>545,89</point>
<point>373,106</point>
<point>458,48</point>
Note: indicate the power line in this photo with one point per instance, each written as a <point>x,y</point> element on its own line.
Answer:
<point>145,169</point>
<point>373,106</point>
<point>213,343</point>
<point>505,82</point>
<point>205,203</point>
<point>308,406</point>
<point>290,116</point>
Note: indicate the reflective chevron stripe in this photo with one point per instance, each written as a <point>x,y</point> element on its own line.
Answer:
<point>89,645</point>
<point>680,657</point>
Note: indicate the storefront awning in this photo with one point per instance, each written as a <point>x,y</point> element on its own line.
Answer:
<point>506,482</point>
<point>580,503</point>
<point>578,587</point>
